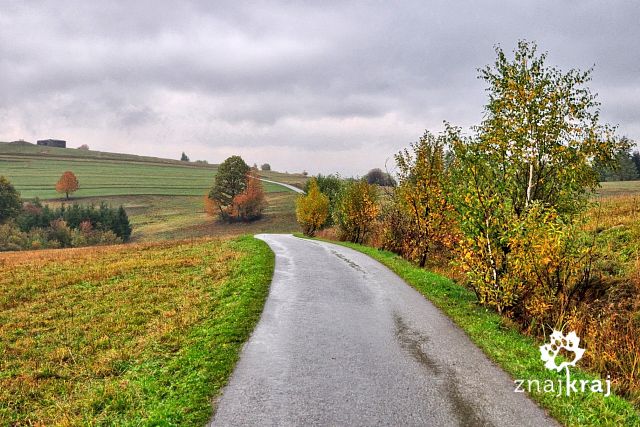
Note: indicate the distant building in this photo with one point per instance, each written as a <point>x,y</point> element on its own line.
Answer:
<point>53,143</point>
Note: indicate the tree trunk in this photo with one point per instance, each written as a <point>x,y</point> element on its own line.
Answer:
<point>67,193</point>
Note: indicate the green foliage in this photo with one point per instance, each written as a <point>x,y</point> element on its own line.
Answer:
<point>230,181</point>
<point>331,186</point>
<point>535,147</point>
<point>356,210</point>
<point>184,157</point>
<point>10,203</point>
<point>312,209</point>
<point>46,226</point>
<point>265,167</point>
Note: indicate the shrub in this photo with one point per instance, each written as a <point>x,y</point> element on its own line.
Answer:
<point>251,203</point>
<point>356,210</point>
<point>330,186</point>
<point>312,209</point>
<point>11,238</point>
<point>422,199</point>
<point>265,167</point>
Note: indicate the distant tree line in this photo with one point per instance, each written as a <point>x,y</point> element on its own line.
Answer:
<point>33,225</point>
<point>625,165</point>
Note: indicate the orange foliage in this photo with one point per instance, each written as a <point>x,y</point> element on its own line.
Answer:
<point>67,184</point>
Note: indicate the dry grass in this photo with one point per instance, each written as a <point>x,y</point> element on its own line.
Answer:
<point>102,335</point>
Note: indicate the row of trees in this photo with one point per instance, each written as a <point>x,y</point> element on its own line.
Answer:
<point>506,201</point>
<point>32,225</point>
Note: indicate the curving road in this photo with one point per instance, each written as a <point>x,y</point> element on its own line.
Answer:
<point>289,186</point>
<point>344,341</point>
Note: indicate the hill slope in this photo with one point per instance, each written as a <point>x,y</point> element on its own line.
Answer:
<point>34,171</point>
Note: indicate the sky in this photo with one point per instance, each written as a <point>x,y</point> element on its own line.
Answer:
<point>325,86</point>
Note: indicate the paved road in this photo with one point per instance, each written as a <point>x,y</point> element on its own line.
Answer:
<point>344,341</point>
<point>289,186</point>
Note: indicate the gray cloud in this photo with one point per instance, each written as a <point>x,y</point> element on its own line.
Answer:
<point>322,86</point>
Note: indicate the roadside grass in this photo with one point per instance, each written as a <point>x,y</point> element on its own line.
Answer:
<point>142,334</point>
<point>517,354</point>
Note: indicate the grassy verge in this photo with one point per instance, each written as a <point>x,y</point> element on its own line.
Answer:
<point>140,334</point>
<point>517,354</point>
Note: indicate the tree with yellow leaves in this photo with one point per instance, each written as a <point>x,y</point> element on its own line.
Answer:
<point>421,197</point>
<point>312,209</point>
<point>357,210</point>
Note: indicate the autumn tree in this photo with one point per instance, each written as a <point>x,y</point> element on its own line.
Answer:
<point>67,184</point>
<point>10,203</point>
<point>535,148</point>
<point>230,180</point>
<point>421,196</point>
<point>251,203</point>
<point>312,209</point>
<point>356,210</point>
<point>331,186</point>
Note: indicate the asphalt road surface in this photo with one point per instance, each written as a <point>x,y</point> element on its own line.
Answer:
<point>344,341</point>
<point>289,186</point>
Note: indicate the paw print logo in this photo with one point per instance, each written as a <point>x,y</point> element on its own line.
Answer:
<point>550,351</point>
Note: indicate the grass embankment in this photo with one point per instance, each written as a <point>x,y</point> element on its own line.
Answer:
<point>517,354</point>
<point>140,334</point>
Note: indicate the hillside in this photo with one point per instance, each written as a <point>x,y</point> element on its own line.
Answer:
<point>34,170</point>
<point>163,197</point>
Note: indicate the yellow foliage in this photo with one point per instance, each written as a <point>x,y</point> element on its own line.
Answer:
<point>312,209</point>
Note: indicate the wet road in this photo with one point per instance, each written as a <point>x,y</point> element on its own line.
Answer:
<point>344,341</point>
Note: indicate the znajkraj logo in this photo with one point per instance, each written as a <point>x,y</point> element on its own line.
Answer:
<point>569,347</point>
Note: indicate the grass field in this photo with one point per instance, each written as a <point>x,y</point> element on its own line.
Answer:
<point>618,188</point>
<point>143,334</point>
<point>35,170</point>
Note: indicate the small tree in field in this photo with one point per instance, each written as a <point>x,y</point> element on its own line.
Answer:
<point>10,204</point>
<point>67,184</point>
<point>251,203</point>
<point>312,209</point>
<point>230,180</point>
<point>184,157</point>
<point>265,167</point>
<point>356,210</point>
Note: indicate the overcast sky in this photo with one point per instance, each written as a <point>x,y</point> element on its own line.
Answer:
<point>322,86</point>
